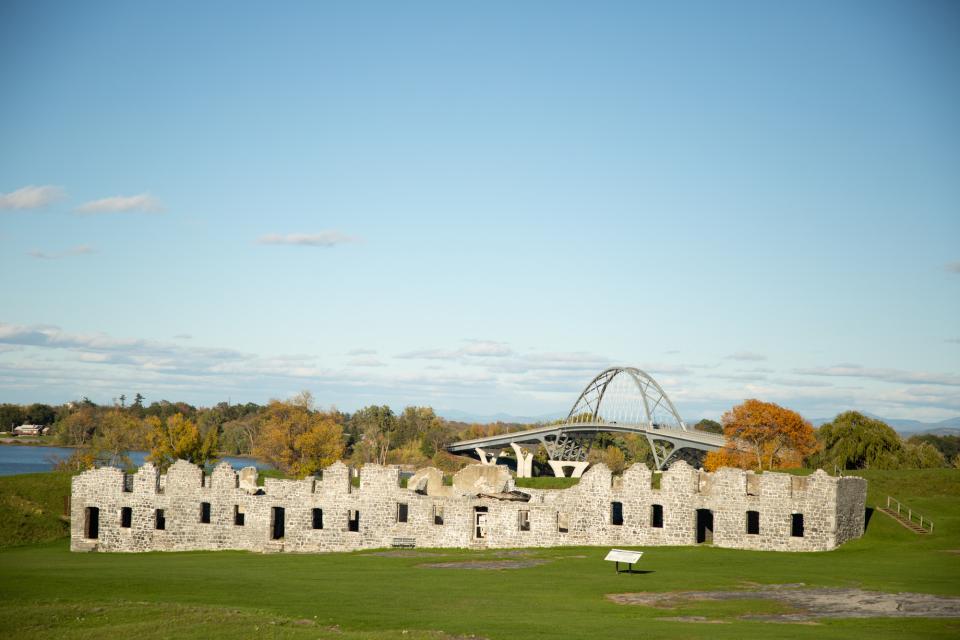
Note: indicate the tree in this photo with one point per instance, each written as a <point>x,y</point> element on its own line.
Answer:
<point>296,440</point>
<point>11,415</point>
<point>710,426</point>
<point>178,438</point>
<point>948,445</point>
<point>40,414</point>
<point>116,434</point>
<point>855,441</point>
<point>79,427</point>
<point>612,456</point>
<point>922,456</point>
<point>375,428</point>
<point>771,434</point>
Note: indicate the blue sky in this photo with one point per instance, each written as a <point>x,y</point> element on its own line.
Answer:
<point>479,207</point>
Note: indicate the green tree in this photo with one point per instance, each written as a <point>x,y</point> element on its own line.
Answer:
<point>296,440</point>
<point>922,455</point>
<point>948,445</point>
<point>375,431</point>
<point>855,441</point>
<point>11,415</point>
<point>78,427</point>
<point>612,456</point>
<point>178,438</point>
<point>117,433</point>
<point>710,426</point>
<point>38,413</point>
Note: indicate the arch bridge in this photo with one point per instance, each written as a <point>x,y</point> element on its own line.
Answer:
<point>618,400</point>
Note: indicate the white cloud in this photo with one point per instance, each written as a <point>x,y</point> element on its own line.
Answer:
<point>486,348</point>
<point>362,352</point>
<point>143,202</point>
<point>746,356</point>
<point>79,250</point>
<point>30,197</point>
<point>183,336</point>
<point>953,267</point>
<point>324,239</point>
<point>885,375</point>
<point>430,354</point>
<point>365,361</point>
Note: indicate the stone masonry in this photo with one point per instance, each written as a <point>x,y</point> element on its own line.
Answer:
<point>187,510</point>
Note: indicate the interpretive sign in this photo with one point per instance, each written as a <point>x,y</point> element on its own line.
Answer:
<point>622,555</point>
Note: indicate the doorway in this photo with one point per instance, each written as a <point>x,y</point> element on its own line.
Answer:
<point>704,526</point>
<point>278,518</point>
<point>91,523</point>
<point>480,522</point>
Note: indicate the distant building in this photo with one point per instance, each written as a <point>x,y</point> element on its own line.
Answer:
<point>31,430</point>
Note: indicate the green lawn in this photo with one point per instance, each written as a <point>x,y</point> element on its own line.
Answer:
<point>46,591</point>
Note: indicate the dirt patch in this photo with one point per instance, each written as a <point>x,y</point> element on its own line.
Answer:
<point>812,603</point>
<point>485,564</point>
<point>700,619</point>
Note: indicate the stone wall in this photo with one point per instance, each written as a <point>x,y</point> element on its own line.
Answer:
<point>243,516</point>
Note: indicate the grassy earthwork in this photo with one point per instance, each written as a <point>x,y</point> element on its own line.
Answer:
<point>48,592</point>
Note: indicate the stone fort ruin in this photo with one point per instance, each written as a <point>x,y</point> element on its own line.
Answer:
<point>185,509</point>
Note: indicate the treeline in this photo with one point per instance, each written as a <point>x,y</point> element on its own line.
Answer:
<point>300,439</point>
<point>293,435</point>
<point>763,435</point>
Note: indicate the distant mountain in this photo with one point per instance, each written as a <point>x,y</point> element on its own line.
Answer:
<point>948,427</point>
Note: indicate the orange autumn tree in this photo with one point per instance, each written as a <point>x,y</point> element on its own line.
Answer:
<point>763,435</point>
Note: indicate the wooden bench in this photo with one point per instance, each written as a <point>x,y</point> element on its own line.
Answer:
<point>404,543</point>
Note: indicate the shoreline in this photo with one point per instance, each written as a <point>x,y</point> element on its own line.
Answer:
<point>16,441</point>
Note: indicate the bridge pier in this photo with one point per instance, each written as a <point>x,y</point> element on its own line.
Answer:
<point>488,459</point>
<point>559,466</point>
<point>524,461</point>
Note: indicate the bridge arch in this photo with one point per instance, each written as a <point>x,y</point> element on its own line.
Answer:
<point>617,400</point>
<point>625,395</point>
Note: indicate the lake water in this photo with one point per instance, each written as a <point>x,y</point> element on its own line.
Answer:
<point>26,459</point>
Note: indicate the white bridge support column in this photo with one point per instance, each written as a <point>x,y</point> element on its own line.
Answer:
<point>558,467</point>
<point>489,459</point>
<point>524,461</point>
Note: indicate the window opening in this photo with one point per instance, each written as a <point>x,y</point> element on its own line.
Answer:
<point>796,525</point>
<point>523,520</point>
<point>753,523</point>
<point>656,516</point>
<point>616,513</point>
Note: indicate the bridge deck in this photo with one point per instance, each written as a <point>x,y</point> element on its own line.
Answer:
<point>700,439</point>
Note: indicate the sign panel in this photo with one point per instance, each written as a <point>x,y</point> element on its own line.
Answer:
<point>622,555</point>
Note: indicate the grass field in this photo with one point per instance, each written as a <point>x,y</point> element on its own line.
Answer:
<point>48,592</point>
